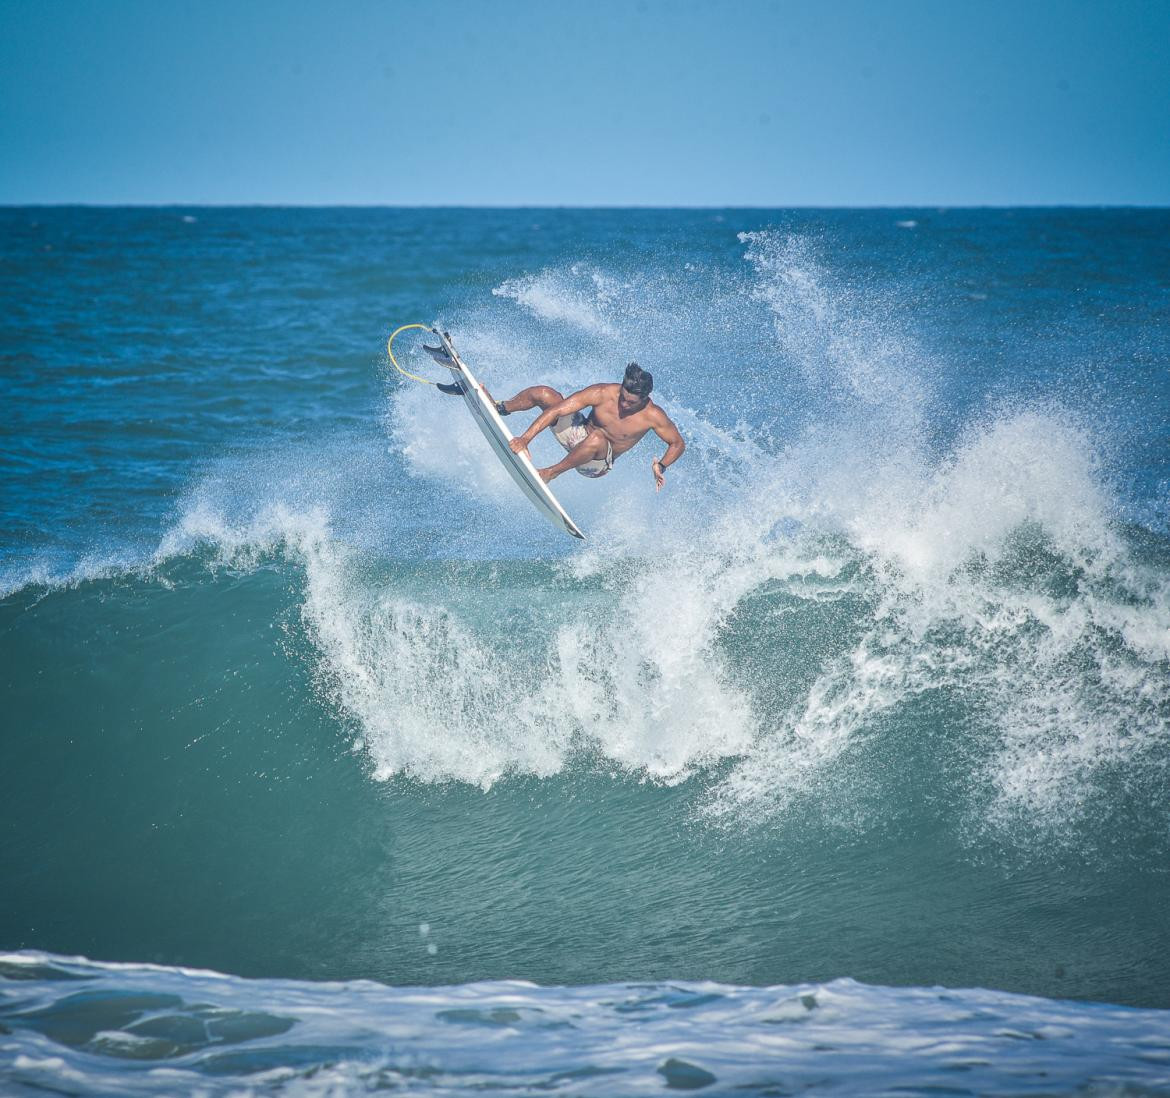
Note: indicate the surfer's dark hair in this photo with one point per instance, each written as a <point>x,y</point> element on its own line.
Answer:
<point>637,381</point>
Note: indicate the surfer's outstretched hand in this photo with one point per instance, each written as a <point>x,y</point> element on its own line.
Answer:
<point>659,479</point>
<point>518,445</point>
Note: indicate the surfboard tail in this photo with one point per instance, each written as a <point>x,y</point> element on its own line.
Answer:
<point>487,417</point>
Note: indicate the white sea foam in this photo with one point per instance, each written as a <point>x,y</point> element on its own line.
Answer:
<point>1057,684</point>
<point>1061,684</point>
<point>442,699</point>
<point>513,1037</point>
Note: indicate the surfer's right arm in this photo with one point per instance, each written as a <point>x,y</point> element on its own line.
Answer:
<point>586,398</point>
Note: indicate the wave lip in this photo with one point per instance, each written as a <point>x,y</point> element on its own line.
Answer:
<point>73,1025</point>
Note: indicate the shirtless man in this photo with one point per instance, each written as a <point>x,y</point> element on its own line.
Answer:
<point>620,415</point>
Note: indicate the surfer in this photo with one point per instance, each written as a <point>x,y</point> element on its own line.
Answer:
<point>619,416</point>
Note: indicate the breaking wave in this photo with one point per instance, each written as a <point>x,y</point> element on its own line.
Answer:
<point>817,592</point>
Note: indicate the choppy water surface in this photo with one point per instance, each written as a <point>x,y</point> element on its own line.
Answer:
<point>140,1030</point>
<point>876,690</point>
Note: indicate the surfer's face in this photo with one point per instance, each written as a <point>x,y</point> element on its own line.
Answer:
<point>630,402</point>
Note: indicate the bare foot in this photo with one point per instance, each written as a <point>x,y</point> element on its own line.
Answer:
<point>500,406</point>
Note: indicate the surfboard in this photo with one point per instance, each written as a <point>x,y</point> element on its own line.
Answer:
<point>520,466</point>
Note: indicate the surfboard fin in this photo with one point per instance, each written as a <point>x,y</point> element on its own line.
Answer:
<point>440,356</point>
<point>451,390</point>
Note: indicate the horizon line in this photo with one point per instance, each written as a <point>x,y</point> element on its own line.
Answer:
<point>938,207</point>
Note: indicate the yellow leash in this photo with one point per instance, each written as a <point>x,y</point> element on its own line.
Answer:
<point>390,352</point>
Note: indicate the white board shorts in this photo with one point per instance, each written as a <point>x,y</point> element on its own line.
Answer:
<point>570,432</point>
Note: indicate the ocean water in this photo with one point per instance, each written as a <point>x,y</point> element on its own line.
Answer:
<point>839,764</point>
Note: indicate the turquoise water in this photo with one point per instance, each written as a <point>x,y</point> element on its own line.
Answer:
<point>297,686</point>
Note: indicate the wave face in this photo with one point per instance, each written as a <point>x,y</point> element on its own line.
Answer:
<point>77,1027</point>
<point>878,687</point>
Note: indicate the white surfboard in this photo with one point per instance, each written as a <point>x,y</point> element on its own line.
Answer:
<point>520,466</point>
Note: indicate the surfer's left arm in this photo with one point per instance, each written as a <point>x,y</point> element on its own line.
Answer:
<point>665,429</point>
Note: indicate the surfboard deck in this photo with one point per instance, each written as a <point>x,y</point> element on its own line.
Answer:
<point>519,466</point>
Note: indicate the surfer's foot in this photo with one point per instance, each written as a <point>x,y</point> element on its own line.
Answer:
<point>501,406</point>
<point>451,390</point>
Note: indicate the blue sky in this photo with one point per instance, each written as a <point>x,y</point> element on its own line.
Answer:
<point>594,102</point>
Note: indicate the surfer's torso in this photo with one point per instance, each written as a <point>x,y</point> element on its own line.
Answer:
<point>624,432</point>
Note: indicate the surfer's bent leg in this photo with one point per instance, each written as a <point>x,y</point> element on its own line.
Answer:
<point>595,447</point>
<point>535,396</point>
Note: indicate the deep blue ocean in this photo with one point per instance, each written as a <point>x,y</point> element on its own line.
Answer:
<point>839,765</point>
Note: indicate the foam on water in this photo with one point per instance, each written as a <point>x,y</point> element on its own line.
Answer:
<point>75,1026</point>
<point>442,698</point>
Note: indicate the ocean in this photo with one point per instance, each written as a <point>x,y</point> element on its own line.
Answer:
<point>840,764</point>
